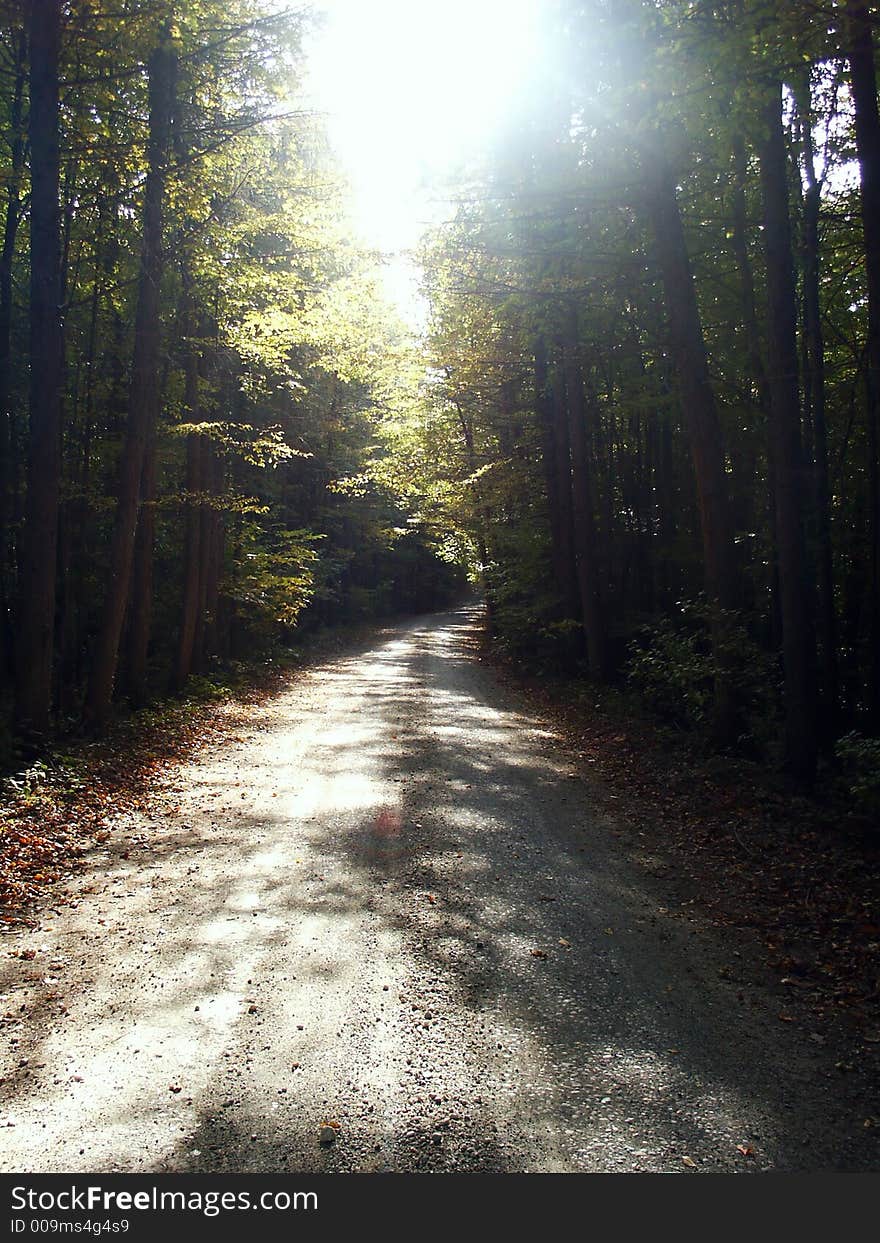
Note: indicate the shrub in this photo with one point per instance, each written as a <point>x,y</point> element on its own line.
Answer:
<point>673,667</point>
<point>859,759</point>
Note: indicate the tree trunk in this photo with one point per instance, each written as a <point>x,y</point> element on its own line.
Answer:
<point>700,409</point>
<point>7,420</point>
<point>78,509</point>
<point>144,391</point>
<point>754,506</point>
<point>814,398</point>
<point>586,545</point>
<point>196,482</point>
<point>557,474</point>
<point>213,543</point>
<point>798,643</point>
<point>863,82</point>
<point>140,611</point>
<point>483,523</point>
<point>36,612</point>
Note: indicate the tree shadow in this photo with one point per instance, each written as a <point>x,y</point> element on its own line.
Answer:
<point>540,1010</point>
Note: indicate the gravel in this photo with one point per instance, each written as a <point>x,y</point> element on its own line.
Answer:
<point>383,928</point>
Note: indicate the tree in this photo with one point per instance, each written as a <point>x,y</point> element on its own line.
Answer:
<point>144,390</point>
<point>785,439</point>
<point>35,620</point>
<point>863,81</point>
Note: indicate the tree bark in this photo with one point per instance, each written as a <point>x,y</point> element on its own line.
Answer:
<point>35,621</point>
<point>700,409</point>
<point>144,391</point>
<point>7,417</point>
<point>196,483</point>
<point>814,413</point>
<point>798,642</point>
<point>863,83</point>
<point>140,611</point>
<point>213,543</point>
<point>584,520</point>
<point>557,474</point>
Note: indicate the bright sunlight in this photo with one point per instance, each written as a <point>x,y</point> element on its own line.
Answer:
<point>410,91</point>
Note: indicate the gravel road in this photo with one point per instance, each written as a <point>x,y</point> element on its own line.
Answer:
<point>389,903</point>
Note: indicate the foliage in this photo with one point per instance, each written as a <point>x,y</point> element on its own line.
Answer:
<point>281,361</point>
<point>675,669</point>
<point>273,575</point>
<point>859,759</point>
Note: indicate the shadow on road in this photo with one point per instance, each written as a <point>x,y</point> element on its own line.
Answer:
<point>421,825</point>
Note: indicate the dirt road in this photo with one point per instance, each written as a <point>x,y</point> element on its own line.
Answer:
<point>389,903</point>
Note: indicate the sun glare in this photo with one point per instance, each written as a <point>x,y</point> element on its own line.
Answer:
<point>410,88</point>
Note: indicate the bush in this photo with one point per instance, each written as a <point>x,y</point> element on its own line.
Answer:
<point>673,672</point>
<point>674,668</point>
<point>859,759</point>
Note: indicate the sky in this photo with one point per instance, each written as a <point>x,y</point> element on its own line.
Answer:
<point>410,88</point>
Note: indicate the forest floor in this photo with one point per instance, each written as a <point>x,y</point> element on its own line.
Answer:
<point>405,896</point>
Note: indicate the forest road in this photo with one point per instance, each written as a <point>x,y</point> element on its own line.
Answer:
<point>389,903</point>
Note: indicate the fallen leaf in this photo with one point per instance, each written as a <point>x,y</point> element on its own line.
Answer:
<point>539,953</point>
<point>746,1149</point>
<point>692,1165</point>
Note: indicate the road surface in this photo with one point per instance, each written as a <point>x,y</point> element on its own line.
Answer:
<point>389,903</point>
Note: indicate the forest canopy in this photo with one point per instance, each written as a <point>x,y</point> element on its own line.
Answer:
<point>643,415</point>
<point>196,361</point>
<point>656,332</point>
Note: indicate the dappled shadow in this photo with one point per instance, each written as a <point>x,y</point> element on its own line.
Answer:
<point>398,909</point>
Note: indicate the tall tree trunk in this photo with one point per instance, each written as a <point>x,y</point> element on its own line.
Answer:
<point>36,611</point>
<point>747,300</point>
<point>586,544</point>
<point>798,643</point>
<point>667,509</point>
<point>7,420</point>
<point>213,543</point>
<point>196,483</point>
<point>814,397</point>
<point>863,82</point>
<point>557,474</point>
<point>78,509</point>
<point>483,524</point>
<point>754,506</point>
<point>688,349</point>
<point>144,391</point>
<point>140,611</point>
